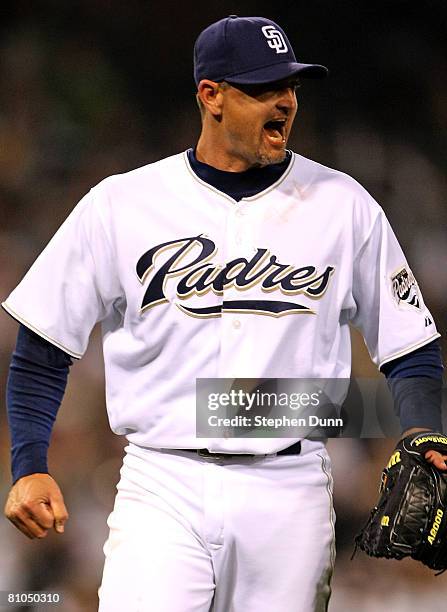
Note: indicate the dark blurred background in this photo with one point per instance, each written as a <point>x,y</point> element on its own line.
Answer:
<point>92,88</point>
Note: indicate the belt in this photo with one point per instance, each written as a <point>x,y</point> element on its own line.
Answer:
<point>295,449</point>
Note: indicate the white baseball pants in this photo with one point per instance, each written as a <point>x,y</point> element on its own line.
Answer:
<point>190,534</point>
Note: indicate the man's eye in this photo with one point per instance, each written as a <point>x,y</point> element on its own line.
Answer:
<point>295,85</point>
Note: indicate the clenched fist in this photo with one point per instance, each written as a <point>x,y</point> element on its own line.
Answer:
<point>35,504</point>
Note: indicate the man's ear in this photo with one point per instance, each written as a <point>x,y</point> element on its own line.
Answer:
<point>210,95</point>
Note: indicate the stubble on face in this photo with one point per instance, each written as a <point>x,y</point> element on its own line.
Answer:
<point>252,148</point>
<point>263,158</point>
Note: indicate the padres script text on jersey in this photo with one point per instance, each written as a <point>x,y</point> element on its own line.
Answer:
<point>189,283</point>
<point>242,273</point>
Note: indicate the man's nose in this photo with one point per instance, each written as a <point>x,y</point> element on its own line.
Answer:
<point>286,98</point>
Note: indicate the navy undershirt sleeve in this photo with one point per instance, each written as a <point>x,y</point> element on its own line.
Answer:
<point>36,384</point>
<point>415,381</point>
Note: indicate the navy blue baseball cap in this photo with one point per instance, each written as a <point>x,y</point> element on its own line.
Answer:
<point>248,51</point>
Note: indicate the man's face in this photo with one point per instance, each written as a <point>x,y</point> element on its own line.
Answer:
<point>256,121</point>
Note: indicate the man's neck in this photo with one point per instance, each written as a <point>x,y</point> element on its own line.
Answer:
<point>217,157</point>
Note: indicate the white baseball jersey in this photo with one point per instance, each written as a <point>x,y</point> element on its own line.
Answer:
<point>188,283</point>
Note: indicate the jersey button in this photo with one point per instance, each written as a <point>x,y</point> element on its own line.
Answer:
<point>239,212</point>
<point>236,324</point>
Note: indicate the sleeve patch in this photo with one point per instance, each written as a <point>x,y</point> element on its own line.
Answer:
<point>405,290</point>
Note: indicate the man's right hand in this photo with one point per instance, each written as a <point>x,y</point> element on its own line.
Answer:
<point>35,504</point>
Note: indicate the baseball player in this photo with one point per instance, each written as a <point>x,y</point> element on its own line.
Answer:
<point>235,259</point>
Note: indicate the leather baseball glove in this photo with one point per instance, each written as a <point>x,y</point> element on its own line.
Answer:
<point>410,518</point>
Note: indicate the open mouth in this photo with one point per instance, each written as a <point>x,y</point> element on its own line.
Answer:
<point>275,130</point>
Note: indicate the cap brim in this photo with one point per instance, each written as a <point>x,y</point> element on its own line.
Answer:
<point>278,72</point>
